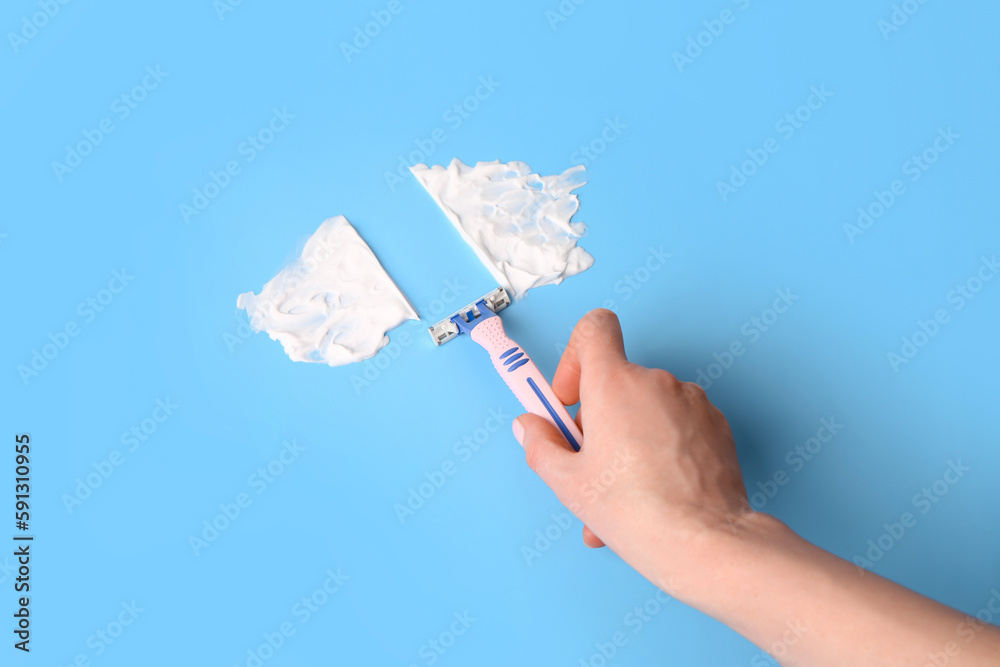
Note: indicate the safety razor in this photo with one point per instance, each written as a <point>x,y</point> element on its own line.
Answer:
<point>480,321</point>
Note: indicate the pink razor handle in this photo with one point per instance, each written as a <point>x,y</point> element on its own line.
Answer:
<point>519,372</point>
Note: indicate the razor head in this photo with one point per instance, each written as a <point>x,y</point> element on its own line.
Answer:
<point>448,328</point>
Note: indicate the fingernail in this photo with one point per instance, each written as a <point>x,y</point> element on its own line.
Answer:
<point>518,431</point>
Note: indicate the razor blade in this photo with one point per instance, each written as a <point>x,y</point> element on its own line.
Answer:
<point>446,329</point>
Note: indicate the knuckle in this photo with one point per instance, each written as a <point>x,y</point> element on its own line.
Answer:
<point>665,379</point>
<point>694,390</point>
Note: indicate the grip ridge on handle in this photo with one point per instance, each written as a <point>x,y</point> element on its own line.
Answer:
<point>527,383</point>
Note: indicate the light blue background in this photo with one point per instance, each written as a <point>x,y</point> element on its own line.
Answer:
<point>171,332</point>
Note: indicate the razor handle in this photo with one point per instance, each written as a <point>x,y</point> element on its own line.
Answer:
<point>524,379</point>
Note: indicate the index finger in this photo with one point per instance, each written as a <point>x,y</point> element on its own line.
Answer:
<point>595,346</point>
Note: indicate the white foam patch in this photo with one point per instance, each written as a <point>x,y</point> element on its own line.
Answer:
<point>332,305</point>
<point>517,222</point>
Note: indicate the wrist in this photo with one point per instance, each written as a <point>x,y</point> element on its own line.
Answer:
<point>717,548</point>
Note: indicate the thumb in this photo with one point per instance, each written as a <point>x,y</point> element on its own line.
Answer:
<point>545,449</point>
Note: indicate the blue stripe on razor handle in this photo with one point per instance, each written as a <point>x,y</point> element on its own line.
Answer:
<point>555,416</point>
<point>518,365</point>
<point>511,359</point>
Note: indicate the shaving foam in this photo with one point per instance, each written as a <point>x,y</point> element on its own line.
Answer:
<point>519,223</point>
<point>334,304</point>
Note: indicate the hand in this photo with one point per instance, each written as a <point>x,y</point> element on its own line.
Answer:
<point>657,480</point>
<point>658,462</point>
